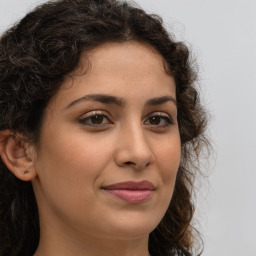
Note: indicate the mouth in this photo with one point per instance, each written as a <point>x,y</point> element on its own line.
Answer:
<point>131,191</point>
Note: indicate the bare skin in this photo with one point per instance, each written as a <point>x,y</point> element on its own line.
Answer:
<point>116,122</point>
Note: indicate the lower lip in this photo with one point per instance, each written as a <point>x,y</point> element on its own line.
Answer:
<point>131,196</point>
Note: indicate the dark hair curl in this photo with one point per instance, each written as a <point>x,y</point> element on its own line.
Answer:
<point>35,56</point>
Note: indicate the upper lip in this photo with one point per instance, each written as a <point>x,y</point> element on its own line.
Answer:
<point>131,185</point>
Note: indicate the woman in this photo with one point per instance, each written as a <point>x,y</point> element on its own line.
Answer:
<point>100,123</point>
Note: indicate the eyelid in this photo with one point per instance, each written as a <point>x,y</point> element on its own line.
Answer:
<point>161,114</point>
<point>168,118</point>
<point>158,113</point>
<point>93,113</point>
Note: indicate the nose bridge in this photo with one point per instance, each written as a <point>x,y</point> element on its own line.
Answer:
<point>136,137</point>
<point>134,148</point>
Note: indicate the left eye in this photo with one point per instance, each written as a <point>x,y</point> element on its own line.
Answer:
<point>95,120</point>
<point>159,120</point>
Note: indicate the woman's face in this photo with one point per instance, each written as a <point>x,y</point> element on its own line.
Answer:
<point>109,148</point>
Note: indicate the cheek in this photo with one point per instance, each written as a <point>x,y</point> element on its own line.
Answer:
<point>88,155</point>
<point>169,156</point>
<point>68,168</point>
<point>74,153</point>
<point>168,161</point>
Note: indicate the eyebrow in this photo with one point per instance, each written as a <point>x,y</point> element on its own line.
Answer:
<point>104,98</point>
<point>160,100</point>
<point>109,99</point>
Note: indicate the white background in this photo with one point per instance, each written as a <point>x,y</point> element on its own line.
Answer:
<point>222,33</point>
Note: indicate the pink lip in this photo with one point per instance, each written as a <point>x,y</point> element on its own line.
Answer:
<point>131,191</point>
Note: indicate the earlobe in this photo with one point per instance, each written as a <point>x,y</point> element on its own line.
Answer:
<point>13,152</point>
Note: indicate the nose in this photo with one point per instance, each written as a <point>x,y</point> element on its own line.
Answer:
<point>134,149</point>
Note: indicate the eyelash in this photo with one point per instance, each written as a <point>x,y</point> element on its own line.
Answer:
<point>84,121</point>
<point>163,117</point>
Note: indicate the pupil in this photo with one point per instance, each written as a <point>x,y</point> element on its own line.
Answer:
<point>155,120</point>
<point>97,119</point>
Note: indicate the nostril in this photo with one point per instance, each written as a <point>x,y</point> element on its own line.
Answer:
<point>129,163</point>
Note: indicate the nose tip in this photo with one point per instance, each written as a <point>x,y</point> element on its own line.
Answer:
<point>134,152</point>
<point>137,164</point>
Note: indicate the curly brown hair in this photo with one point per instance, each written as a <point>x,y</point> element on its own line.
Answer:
<point>35,56</point>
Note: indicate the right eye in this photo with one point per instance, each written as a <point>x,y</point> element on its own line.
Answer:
<point>95,120</point>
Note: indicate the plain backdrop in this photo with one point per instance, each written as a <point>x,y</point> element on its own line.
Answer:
<point>222,34</point>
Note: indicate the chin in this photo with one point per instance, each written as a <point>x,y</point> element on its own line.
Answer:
<point>132,228</point>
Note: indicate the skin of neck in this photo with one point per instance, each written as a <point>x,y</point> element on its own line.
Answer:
<point>56,241</point>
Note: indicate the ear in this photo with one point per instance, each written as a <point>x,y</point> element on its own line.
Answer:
<point>17,155</point>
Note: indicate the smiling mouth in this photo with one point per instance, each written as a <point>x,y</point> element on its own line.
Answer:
<point>131,191</point>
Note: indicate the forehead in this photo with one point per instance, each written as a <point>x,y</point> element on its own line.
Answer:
<point>120,69</point>
<point>126,55</point>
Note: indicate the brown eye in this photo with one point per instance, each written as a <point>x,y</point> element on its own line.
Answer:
<point>159,120</point>
<point>155,120</point>
<point>97,119</point>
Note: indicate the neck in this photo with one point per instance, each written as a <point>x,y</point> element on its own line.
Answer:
<point>53,243</point>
